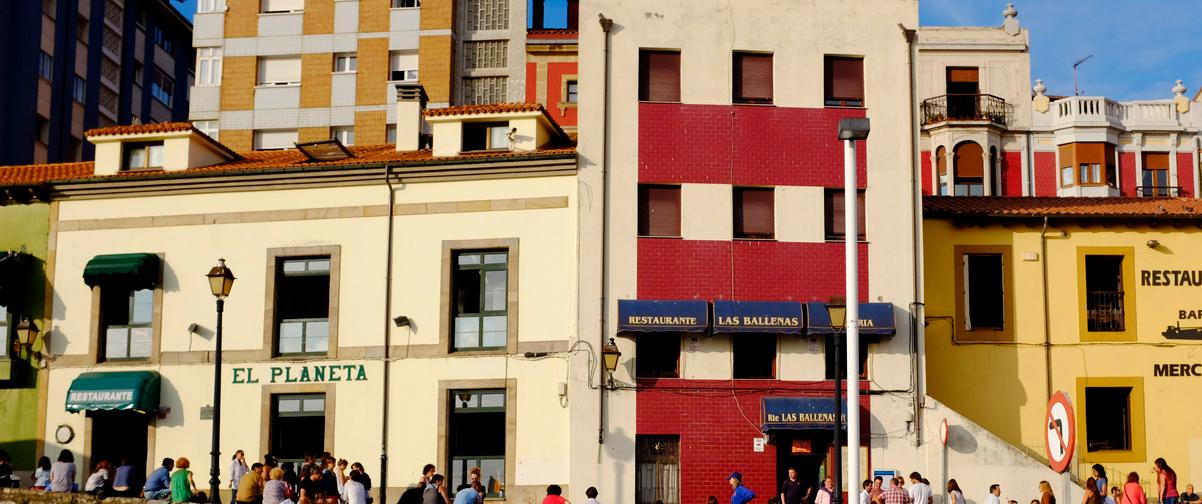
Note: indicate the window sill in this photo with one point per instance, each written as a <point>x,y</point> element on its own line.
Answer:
<point>756,104</point>
<point>476,352</point>
<point>282,13</point>
<point>678,102</point>
<point>353,72</point>
<point>275,86</point>
<point>843,240</point>
<point>851,107</point>
<point>661,237</point>
<point>301,356</point>
<point>408,9</point>
<point>753,239</point>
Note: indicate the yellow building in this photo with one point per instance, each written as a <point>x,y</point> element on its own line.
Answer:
<point>1096,297</point>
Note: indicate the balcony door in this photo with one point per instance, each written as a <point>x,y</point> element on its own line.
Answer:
<point>963,87</point>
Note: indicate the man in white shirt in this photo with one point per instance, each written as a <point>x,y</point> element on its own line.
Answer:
<point>865,497</point>
<point>920,493</point>
<point>591,493</point>
<point>995,494</point>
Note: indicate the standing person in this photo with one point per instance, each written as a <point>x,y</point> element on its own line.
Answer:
<point>250,487</point>
<point>353,491</point>
<point>920,493</point>
<point>1099,474</point>
<point>1045,493</point>
<point>1114,496</point>
<point>591,493</point>
<point>62,473</point>
<point>238,469</point>
<point>554,495</point>
<point>98,483</point>
<point>330,486</point>
<point>826,492</point>
<point>158,484</point>
<point>790,489</point>
<point>1091,492</point>
<point>433,492</point>
<point>865,494</point>
<point>1189,497</point>
<point>123,479</point>
<point>183,487</point>
<point>413,495</point>
<point>311,486</point>
<point>954,494</point>
<point>465,494</point>
<point>1133,492</point>
<point>740,494</point>
<point>877,492</point>
<point>290,479</point>
<point>895,494</point>
<point>1166,482</point>
<point>41,475</point>
<point>275,490</point>
<point>995,494</point>
<point>6,471</point>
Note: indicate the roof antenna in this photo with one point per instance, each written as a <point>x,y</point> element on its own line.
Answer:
<point>1077,90</point>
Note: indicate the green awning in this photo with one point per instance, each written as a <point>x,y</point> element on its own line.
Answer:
<point>130,271</point>
<point>114,390</point>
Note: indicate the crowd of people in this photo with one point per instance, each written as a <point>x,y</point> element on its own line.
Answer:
<point>432,488</point>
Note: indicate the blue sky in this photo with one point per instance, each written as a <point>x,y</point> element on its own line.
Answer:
<point>1138,48</point>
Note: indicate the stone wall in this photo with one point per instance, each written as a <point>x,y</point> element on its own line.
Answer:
<point>20,496</point>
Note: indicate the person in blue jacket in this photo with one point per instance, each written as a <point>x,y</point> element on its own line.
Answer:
<point>741,494</point>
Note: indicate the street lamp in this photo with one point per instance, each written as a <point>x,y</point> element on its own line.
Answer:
<point>838,316</point>
<point>221,281</point>
<point>27,334</point>
<point>850,130</point>
<point>609,357</point>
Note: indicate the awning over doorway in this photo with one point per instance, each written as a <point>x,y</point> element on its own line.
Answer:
<point>758,317</point>
<point>131,271</point>
<point>875,319</point>
<point>641,315</point>
<point>114,390</point>
<point>802,413</point>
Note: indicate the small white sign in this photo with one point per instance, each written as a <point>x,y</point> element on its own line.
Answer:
<point>757,445</point>
<point>694,345</point>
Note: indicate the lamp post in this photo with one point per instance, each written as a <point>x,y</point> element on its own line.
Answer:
<point>850,130</point>
<point>27,334</point>
<point>838,315</point>
<point>609,357</point>
<point>221,281</point>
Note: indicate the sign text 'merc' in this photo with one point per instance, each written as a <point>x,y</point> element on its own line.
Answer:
<point>304,374</point>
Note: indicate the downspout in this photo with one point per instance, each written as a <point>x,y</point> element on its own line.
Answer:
<point>1030,165</point>
<point>1047,319</point>
<point>387,336</point>
<point>917,330</point>
<point>606,24</point>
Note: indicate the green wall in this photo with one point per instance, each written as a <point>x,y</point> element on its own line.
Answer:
<point>24,226</point>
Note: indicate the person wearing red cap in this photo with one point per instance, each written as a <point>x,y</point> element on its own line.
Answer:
<point>741,494</point>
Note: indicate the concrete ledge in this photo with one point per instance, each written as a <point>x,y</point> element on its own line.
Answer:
<point>20,496</point>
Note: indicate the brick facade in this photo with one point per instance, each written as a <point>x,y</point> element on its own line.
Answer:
<point>313,134</point>
<point>1012,173</point>
<point>371,127</point>
<point>315,79</point>
<point>319,17</point>
<point>241,19</point>
<point>374,16</point>
<point>241,140</point>
<point>1127,177</point>
<point>238,84</point>
<point>434,64</point>
<point>1045,174</point>
<point>1185,173</point>
<point>373,72</point>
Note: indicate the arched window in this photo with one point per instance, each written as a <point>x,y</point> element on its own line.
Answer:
<point>941,170</point>
<point>968,162</point>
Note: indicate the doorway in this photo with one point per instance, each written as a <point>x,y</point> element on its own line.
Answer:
<point>963,88</point>
<point>807,452</point>
<point>119,436</point>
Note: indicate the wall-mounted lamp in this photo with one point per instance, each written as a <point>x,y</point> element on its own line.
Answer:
<point>401,321</point>
<point>193,327</point>
<point>609,357</point>
<point>27,335</point>
<point>1153,244</point>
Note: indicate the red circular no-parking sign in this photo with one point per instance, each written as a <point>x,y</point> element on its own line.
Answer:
<point>1060,425</point>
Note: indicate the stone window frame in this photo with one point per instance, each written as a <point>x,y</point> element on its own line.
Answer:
<point>1006,333</point>
<point>564,104</point>
<point>1137,425</point>
<point>156,325</point>
<point>329,389</point>
<point>510,385</point>
<point>269,329</point>
<point>445,334</point>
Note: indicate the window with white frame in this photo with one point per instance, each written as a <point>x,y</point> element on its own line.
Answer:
<point>402,66</point>
<point>302,305</point>
<point>210,6</point>
<point>279,70</point>
<point>209,128</point>
<point>275,139</point>
<point>126,318</point>
<point>345,63</point>
<point>268,6</point>
<point>208,65</point>
<point>345,134</point>
<point>162,87</point>
<point>143,156</point>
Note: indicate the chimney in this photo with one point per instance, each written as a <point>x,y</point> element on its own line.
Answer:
<point>573,14</point>
<point>536,15</point>
<point>410,103</point>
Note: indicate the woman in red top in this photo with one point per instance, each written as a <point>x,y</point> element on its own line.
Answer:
<point>553,495</point>
<point>1133,493</point>
<point>1166,482</point>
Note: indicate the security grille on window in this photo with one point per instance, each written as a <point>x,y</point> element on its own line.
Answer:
<point>485,136</point>
<point>268,6</point>
<point>483,90</point>
<point>279,70</point>
<point>487,14</point>
<point>1104,293</point>
<point>208,63</point>
<point>126,322</point>
<point>485,54</point>
<point>298,424</point>
<point>345,134</point>
<point>143,156</point>
<point>476,438</point>
<point>344,63</point>
<point>162,87</point>
<point>657,469</point>
<point>481,304</point>
<point>302,305</point>
<point>984,292</point>
<point>1107,418</point>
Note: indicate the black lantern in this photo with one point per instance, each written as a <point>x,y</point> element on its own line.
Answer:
<point>609,357</point>
<point>221,280</point>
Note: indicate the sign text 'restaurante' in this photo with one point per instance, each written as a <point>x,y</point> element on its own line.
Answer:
<point>660,320</point>
<point>305,374</point>
<point>1170,278</point>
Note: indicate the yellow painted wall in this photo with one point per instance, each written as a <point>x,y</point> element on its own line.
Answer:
<point>1003,386</point>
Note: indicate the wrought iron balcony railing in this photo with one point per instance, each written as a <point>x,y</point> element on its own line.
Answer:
<point>964,107</point>
<point>1105,310</point>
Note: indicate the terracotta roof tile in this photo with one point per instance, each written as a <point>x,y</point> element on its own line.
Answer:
<point>552,34</point>
<point>258,160</point>
<point>1028,207</point>
<point>134,129</point>
<point>492,108</point>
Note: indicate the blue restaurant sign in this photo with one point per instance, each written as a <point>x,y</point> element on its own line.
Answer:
<point>758,317</point>
<point>639,315</point>
<point>798,413</point>
<point>875,319</point>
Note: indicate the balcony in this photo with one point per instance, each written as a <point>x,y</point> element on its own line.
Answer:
<point>1100,111</point>
<point>964,107</point>
<point>1105,311</point>
<point>1158,191</point>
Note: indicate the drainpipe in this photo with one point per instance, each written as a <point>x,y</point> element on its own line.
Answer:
<point>917,330</point>
<point>606,24</point>
<point>1030,165</point>
<point>387,337</point>
<point>1047,319</point>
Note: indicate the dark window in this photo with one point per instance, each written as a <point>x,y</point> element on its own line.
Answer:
<point>984,292</point>
<point>160,39</point>
<point>42,127</point>
<point>755,355</point>
<point>162,87</point>
<point>485,136</point>
<point>79,89</point>
<point>137,74</point>
<point>476,438</point>
<point>752,78</point>
<point>302,305</point>
<point>753,207</point>
<point>1156,175</point>
<point>143,156</point>
<point>1104,292</point>
<point>125,320</point>
<point>835,229</point>
<point>75,147</point>
<point>659,210</point>
<point>657,469</point>
<point>659,76</point>
<point>1108,418</point>
<point>298,425</point>
<point>657,355</point>
<point>844,81</point>
<point>830,357</point>
<point>81,29</point>
<point>962,89</point>
<point>481,304</point>
<point>405,4</point>
<point>46,67</point>
<point>572,92</point>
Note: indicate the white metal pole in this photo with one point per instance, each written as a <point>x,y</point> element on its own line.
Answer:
<point>852,324</point>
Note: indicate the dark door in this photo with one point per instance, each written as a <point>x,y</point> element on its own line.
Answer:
<point>963,89</point>
<point>806,451</point>
<point>119,436</point>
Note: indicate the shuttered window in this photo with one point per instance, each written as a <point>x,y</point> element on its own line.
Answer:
<point>659,210</point>
<point>279,70</point>
<point>835,228</point>
<point>844,81</point>
<point>754,216</point>
<point>659,76</point>
<point>752,78</point>
<point>282,5</point>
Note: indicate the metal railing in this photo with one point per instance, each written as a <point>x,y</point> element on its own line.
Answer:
<point>1105,310</point>
<point>1158,191</point>
<point>964,107</point>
